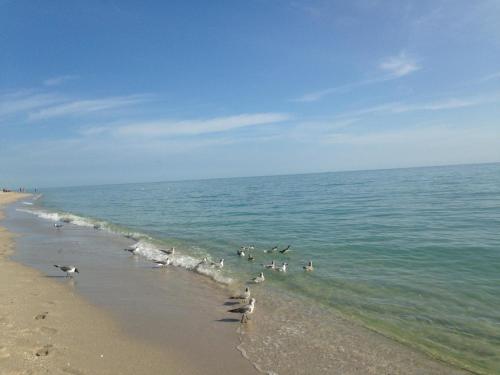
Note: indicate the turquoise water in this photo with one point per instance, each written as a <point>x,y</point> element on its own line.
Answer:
<point>411,253</point>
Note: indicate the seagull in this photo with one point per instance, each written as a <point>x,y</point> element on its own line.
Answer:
<point>244,295</point>
<point>272,250</point>
<point>282,268</point>
<point>97,226</point>
<point>244,310</point>
<point>219,264</point>
<point>168,252</point>
<point>259,279</point>
<point>270,266</point>
<point>241,252</point>
<point>163,263</point>
<point>285,250</point>
<point>309,266</point>
<point>131,249</point>
<point>250,257</point>
<point>204,261</point>
<point>58,225</point>
<point>70,270</point>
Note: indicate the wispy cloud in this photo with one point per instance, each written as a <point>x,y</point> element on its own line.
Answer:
<point>400,65</point>
<point>394,66</point>
<point>196,127</point>
<point>17,102</point>
<point>436,105</point>
<point>80,107</point>
<point>55,81</point>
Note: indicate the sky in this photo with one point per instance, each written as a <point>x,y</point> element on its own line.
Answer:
<point>95,92</point>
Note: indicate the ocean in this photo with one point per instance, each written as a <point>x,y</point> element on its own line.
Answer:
<point>413,254</point>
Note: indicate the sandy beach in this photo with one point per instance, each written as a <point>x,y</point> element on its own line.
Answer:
<point>46,329</point>
<point>123,316</point>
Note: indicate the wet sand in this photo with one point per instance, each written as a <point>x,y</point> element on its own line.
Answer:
<point>47,328</point>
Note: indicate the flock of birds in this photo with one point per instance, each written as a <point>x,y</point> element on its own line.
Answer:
<point>249,306</point>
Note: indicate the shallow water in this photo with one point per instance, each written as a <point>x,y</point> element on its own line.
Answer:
<point>411,253</point>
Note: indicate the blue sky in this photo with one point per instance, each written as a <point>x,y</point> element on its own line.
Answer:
<point>118,91</point>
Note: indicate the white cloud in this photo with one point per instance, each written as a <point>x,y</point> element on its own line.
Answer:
<point>25,100</point>
<point>195,127</point>
<point>81,107</point>
<point>55,81</point>
<point>399,66</point>
<point>395,67</point>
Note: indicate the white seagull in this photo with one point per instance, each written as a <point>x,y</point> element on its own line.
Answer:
<point>244,310</point>
<point>244,295</point>
<point>275,248</point>
<point>270,266</point>
<point>70,270</point>
<point>219,264</point>
<point>283,267</point>
<point>168,252</point>
<point>309,266</point>
<point>259,279</point>
<point>163,263</point>
<point>285,250</point>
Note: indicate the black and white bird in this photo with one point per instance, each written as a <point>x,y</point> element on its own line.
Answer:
<point>219,264</point>
<point>245,295</point>
<point>250,258</point>
<point>241,252</point>
<point>285,250</point>
<point>282,268</point>
<point>275,248</point>
<point>271,266</point>
<point>58,225</point>
<point>245,310</point>
<point>131,249</point>
<point>309,266</point>
<point>168,252</point>
<point>163,263</point>
<point>70,270</point>
<point>259,279</point>
<point>97,226</point>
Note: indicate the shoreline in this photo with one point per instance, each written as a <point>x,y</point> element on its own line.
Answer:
<point>48,329</point>
<point>351,349</point>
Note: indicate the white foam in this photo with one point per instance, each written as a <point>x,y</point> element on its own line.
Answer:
<point>144,245</point>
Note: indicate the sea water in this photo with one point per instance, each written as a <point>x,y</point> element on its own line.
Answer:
<point>413,254</point>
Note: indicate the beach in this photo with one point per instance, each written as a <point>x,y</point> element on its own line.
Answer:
<point>122,314</point>
<point>46,328</point>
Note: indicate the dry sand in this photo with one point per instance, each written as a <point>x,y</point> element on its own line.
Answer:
<point>46,329</point>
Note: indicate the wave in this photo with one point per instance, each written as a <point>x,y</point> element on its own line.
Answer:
<point>146,246</point>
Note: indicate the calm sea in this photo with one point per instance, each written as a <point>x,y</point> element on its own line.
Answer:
<point>411,253</point>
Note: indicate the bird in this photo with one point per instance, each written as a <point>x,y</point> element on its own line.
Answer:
<point>272,250</point>
<point>250,257</point>
<point>168,252</point>
<point>97,226</point>
<point>131,249</point>
<point>282,268</point>
<point>309,266</point>
<point>219,264</point>
<point>241,252</point>
<point>203,261</point>
<point>285,250</point>
<point>58,225</point>
<point>259,279</point>
<point>244,310</point>
<point>163,263</point>
<point>270,266</point>
<point>70,270</point>
<point>244,295</point>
